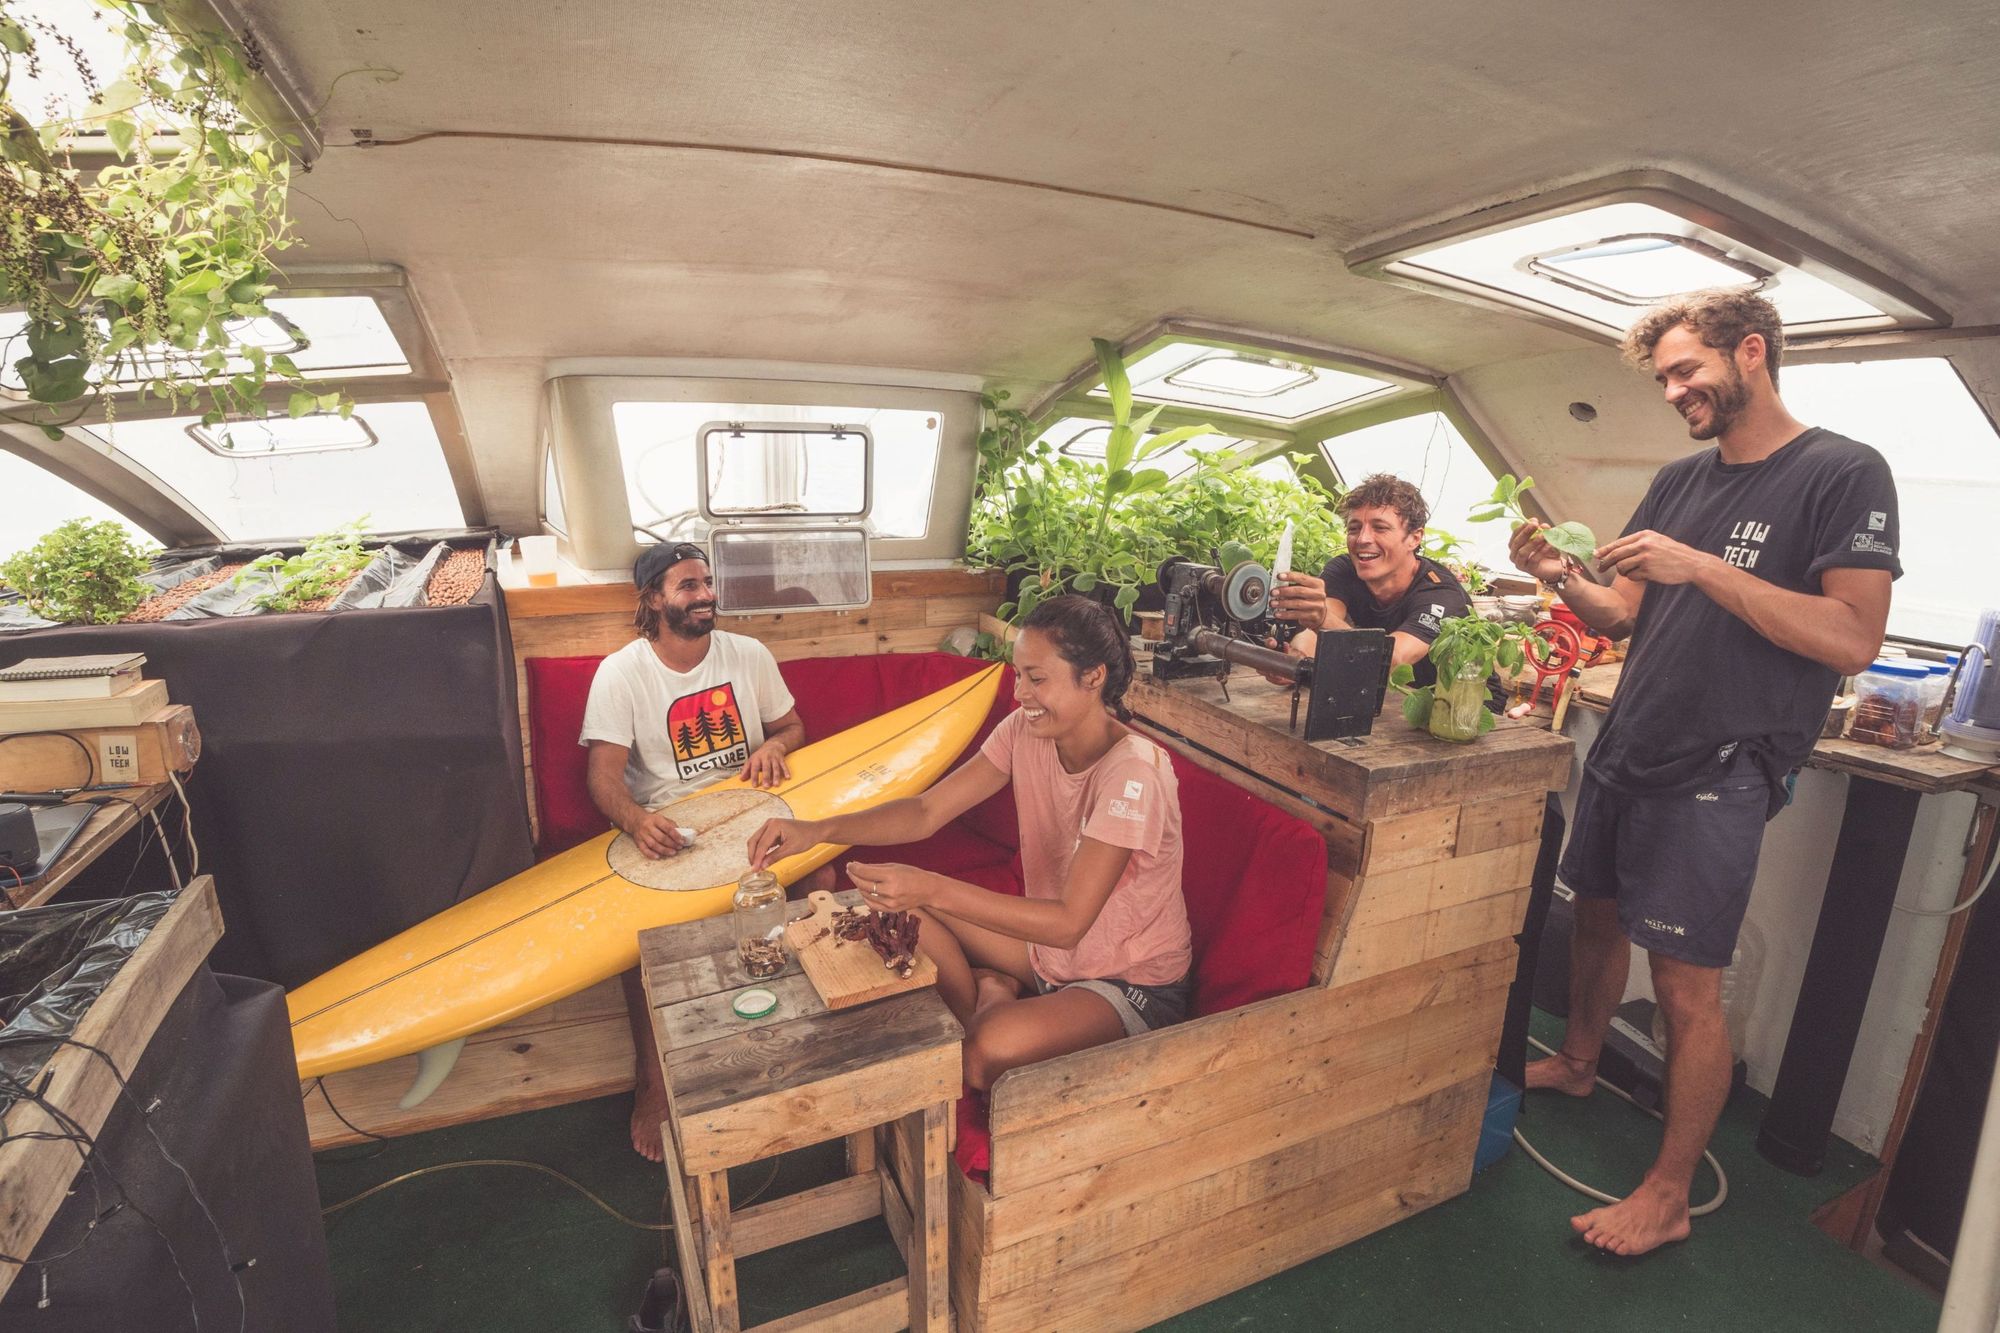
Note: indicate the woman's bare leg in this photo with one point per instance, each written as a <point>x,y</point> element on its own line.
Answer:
<point>1013,1033</point>
<point>957,947</point>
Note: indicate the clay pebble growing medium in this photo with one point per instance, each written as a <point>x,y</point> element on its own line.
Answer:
<point>160,605</point>
<point>454,582</point>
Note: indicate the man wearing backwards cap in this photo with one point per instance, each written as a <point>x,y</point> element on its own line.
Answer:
<point>671,712</point>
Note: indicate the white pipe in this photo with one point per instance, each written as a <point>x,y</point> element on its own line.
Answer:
<point>1972,1300</point>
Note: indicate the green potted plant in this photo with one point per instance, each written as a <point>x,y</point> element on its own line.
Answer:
<point>82,571</point>
<point>321,570</point>
<point>1467,650</point>
<point>1053,523</point>
<point>138,256</point>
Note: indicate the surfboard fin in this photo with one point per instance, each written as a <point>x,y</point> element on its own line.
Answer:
<point>433,1067</point>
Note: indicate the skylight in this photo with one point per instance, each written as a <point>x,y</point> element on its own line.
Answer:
<point>1087,437</point>
<point>1593,254</point>
<point>326,336</point>
<point>400,482</point>
<point>321,432</point>
<point>1244,383</point>
<point>1647,268</point>
<point>1540,261</point>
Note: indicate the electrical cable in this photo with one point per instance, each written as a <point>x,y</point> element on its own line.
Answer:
<point>89,759</point>
<point>187,826</point>
<point>173,867</point>
<point>1700,1210</point>
<point>1977,894</point>
<point>91,1159</point>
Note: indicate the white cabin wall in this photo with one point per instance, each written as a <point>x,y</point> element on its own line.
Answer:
<point>1784,909</point>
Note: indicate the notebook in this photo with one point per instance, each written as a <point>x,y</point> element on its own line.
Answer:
<point>97,676</point>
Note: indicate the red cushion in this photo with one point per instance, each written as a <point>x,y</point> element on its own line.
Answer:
<point>1255,882</point>
<point>558,688</point>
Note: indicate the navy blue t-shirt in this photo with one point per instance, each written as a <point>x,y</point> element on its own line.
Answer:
<point>1702,693</point>
<point>1433,597</point>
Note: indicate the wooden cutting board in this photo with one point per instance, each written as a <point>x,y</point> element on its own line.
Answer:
<point>848,972</point>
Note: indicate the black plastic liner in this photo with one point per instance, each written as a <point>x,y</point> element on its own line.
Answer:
<point>54,961</point>
<point>360,771</point>
<point>394,578</point>
<point>217,1090</point>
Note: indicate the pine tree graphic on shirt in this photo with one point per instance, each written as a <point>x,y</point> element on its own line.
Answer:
<point>708,732</point>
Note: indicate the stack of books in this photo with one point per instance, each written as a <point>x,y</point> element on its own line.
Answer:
<point>66,693</point>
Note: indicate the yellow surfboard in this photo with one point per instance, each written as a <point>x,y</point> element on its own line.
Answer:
<point>575,919</point>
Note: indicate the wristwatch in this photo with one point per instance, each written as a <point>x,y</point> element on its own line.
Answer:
<point>1556,585</point>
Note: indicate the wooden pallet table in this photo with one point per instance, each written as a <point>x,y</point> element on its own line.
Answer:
<point>742,1090</point>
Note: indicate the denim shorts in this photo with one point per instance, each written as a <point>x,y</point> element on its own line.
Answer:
<point>1680,864</point>
<point>1140,1009</point>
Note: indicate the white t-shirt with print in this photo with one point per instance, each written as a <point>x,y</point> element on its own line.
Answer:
<point>685,728</point>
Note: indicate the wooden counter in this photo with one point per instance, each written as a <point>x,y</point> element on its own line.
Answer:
<point>1926,769</point>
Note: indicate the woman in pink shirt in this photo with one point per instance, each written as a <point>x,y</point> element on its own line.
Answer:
<point>1098,947</point>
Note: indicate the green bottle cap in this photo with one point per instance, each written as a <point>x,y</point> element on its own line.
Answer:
<point>754,1003</point>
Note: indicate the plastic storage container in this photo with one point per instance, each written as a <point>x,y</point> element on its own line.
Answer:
<point>1889,705</point>
<point>759,909</point>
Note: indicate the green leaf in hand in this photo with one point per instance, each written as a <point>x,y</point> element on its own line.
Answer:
<point>1572,539</point>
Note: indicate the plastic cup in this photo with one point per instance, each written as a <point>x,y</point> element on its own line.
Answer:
<point>538,560</point>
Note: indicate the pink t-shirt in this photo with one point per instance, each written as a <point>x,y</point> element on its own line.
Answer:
<point>1129,798</point>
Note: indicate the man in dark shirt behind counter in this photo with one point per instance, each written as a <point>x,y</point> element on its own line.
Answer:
<point>1752,576</point>
<point>1381,582</point>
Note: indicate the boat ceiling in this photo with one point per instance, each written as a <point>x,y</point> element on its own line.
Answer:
<point>979,189</point>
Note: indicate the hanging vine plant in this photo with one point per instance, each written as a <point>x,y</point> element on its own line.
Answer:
<point>150,271</point>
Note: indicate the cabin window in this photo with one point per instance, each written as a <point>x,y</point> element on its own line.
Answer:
<point>1946,457</point>
<point>325,336</point>
<point>1427,450</point>
<point>656,444</point>
<point>38,501</point>
<point>1245,383</point>
<point>398,481</point>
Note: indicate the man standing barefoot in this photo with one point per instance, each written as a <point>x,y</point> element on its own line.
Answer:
<point>1752,577</point>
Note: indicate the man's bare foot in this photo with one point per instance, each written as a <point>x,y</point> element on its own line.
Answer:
<point>991,988</point>
<point>649,1108</point>
<point>1564,1073</point>
<point>1649,1217</point>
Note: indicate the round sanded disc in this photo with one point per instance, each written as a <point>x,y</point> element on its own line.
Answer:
<point>722,822</point>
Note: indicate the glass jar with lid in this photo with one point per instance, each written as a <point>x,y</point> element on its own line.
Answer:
<point>759,910</point>
<point>1889,704</point>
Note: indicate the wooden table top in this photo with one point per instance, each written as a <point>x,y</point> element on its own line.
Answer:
<point>716,1061</point>
<point>1926,769</point>
<point>113,820</point>
<point>1395,769</point>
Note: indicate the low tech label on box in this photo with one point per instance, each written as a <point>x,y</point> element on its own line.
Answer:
<point>118,757</point>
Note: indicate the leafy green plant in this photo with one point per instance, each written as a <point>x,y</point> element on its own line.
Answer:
<point>1572,539</point>
<point>80,571</point>
<point>322,569</point>
<point>1466,646</point>
<point>147,270</point>
<point>1453,553</point>
<point>1053,521</point>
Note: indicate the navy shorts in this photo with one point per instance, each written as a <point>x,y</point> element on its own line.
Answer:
<point>1680,865</point>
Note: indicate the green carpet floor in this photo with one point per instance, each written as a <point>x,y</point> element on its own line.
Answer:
<point>503,1250</point>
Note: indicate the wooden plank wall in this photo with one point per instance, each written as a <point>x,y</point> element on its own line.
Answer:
<point>912,611</point>
<point>1136,1180</point>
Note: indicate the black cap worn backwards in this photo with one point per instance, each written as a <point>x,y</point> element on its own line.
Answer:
<point>657,560</point>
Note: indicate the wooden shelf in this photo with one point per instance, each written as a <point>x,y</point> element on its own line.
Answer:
<point>111,822</point>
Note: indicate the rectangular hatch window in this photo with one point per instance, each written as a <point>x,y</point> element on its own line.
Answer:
<point>1243,383</point>
<point>656,445</point>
